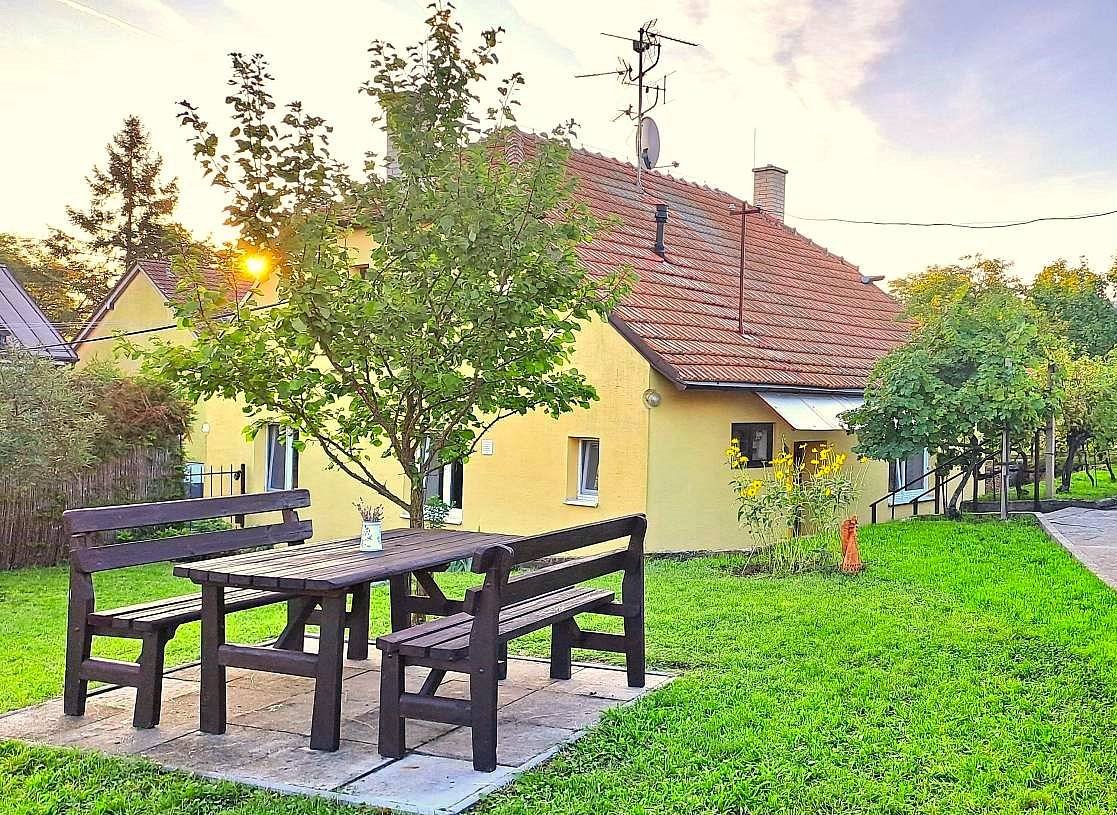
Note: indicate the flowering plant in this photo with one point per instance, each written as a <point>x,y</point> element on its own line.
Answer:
<point>792,507</point>
<point>369,513</point>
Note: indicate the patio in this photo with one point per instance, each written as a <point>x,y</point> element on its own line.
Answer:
<point>269,722</point>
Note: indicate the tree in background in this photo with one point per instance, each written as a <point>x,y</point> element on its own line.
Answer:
<point>977,363</point>
<point>1089,416</point>
<point>130,206</point>
<point>1077,301</point>
<point>464,312</point>
<point>47,422</point>
<point>65,284</point>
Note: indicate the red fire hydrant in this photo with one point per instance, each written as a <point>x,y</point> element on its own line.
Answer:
<point>851,556</point>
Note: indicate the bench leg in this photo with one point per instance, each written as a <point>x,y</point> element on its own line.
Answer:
<point>482,705</point>
<point>393,730</point>
<point>211,709</point>
<point>562,640</point>
<point>325,727</point>
<point>358,623</point>
<point>79,643</point>
<point>634,654</point>
<point>149,690</point>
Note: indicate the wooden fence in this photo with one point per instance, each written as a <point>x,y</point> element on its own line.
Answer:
<point>31,519</point>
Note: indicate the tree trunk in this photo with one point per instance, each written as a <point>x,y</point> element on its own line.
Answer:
<point>1109,467</point>
<point>952,505</point>
<point>1074,442</point>
<point>417,508</point>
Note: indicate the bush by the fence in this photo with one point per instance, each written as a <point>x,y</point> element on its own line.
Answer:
<point>31,517</point>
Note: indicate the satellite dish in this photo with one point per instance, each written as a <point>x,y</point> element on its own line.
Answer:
<point>649,143</point>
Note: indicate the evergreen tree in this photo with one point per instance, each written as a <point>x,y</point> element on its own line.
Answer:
<point>130,206</point>
<point>64,282</point>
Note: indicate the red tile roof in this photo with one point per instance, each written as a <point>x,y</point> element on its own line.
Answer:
<point>166,280</point>
<point>809,321</point>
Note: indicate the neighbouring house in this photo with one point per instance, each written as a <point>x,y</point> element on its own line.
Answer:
<point>739,327</point>
<point>23,323</point>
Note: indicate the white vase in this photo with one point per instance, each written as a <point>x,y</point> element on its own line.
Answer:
<point>371,540</point>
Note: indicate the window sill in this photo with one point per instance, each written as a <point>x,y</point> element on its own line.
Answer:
<point>905,498</point>
<point>454,518</point>
<point>581,501</point>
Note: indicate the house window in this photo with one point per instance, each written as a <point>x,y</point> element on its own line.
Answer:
<point>755,441</point>
<point>5,336</point>
<point>909,476</point>
<point>283,459</point>
<point>447,483</point>
<point>589,459</point>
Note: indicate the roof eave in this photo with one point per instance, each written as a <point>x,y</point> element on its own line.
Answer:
<point>654,358</point>
<point>768,386</point>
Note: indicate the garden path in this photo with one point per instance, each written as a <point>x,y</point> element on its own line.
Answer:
<point>1088,534</point>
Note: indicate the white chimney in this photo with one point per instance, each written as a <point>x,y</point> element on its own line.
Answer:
<point>768,185</point>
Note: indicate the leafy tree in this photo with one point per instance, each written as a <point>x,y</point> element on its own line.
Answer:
<point>1076,300</point>
<point>129,206</point>
<point>473,295</point>
<point>65,285</point>
<point>975,365</point>
<point>47,424</point>
<point>1089,415</point>
<point>135,411</point>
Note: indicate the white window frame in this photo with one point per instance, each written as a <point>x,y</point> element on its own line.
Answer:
<point>586,493</point>
<point>454,516</point>
<point>909,495</point>
<point>289,455</point>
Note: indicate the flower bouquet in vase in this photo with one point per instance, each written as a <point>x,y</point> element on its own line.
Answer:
<point>372,520</point>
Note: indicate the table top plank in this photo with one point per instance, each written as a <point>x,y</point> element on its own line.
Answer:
<point>337,565</point>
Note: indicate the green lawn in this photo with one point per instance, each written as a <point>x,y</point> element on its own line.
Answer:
<point>971,669</point>
<point>1080,488</point>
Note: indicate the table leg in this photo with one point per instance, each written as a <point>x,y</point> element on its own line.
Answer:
<point>211,718</point>
<point>358,623</point>
<point>400,590</point>
<point>325,727</point>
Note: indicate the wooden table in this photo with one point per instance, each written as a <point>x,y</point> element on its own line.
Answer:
<point>321,575</point>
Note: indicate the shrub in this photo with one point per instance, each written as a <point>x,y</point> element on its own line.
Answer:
<point>792,509</point>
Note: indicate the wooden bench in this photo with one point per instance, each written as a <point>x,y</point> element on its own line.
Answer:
<point>154,623</point>
<point>475,641</point>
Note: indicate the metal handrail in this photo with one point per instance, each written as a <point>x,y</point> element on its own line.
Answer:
<point>985,456</point>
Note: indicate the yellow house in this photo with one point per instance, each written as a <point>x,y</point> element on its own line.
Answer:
<point>739,327</point>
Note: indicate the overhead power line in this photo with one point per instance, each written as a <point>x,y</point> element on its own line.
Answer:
<point>140,331</point>
<point>973,225</point>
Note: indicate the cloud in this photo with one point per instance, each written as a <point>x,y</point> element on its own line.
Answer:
<point>797,72</point>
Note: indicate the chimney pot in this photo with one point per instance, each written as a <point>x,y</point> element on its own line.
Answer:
<point>660,225</point>
<point>768,189</point>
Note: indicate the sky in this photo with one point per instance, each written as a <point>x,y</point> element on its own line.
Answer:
<point>925,110</point>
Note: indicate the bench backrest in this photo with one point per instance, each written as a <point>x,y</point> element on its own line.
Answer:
<point>84,525</point>
<point>497,561</point>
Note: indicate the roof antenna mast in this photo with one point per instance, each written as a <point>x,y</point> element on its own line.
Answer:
<point>647,44</point>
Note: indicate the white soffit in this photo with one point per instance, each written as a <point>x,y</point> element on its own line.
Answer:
<point>810,411</point>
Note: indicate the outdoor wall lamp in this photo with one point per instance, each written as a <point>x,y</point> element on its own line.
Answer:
<point>652,397</point>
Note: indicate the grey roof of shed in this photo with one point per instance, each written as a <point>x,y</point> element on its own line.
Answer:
<point>27,324</point>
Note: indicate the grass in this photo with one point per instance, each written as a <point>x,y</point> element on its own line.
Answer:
<point>971,669</point>
<point>1080,488</point>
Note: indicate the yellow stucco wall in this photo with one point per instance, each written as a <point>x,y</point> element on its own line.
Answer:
<point>690,505</point>
<point>666,461</point>
<point>141,305</point>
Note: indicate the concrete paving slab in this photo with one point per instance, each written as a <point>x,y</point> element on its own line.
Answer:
<point>1088,534</point>
<point>426,784</point>
<point>267,742</point>
<point>518,742</point>
<point>551,709</point>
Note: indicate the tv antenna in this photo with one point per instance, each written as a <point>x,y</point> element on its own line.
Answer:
<point>648,45</point>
